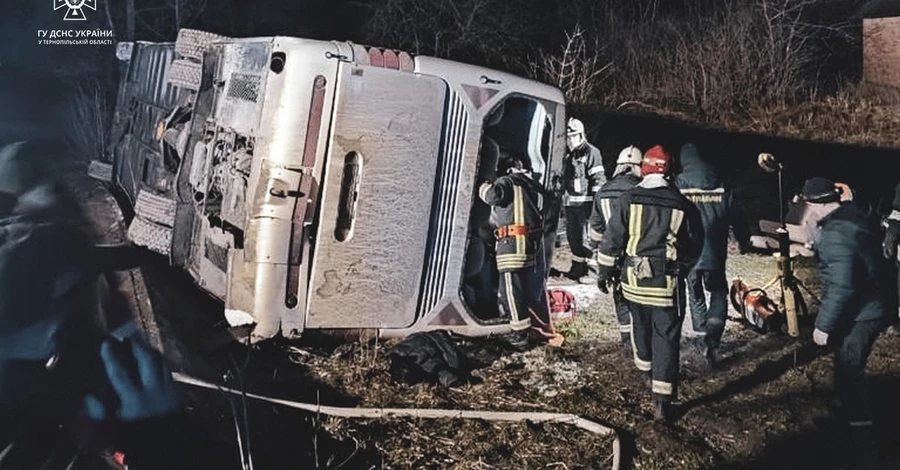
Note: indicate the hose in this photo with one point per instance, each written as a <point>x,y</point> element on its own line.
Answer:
<point>379,413</point>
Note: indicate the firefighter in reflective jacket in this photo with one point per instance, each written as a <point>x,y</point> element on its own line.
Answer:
<point>583,175</point>
<point>516,202</point>
<point>655,235</point>
<point>625,177</point>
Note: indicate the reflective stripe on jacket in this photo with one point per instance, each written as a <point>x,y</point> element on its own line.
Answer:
<point>656,224</point>
<point>605,203</point>
<point>718,212</point>
<point>583,174</point>
<point>515,200</point>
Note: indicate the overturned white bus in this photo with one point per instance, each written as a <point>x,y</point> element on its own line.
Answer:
<point>323,185</point>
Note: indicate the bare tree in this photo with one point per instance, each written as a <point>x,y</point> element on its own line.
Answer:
<point>494,32</point>
<point>578,69</point>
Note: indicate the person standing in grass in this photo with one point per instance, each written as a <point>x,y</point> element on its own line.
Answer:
<point>654,238</point>
<point>854,278</point>
<point>700,183</point>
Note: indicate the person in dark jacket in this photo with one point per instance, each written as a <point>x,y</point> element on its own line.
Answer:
<point>516,202</point>
<point>60,375</point>
<point>583,175</point>
<point>53,355</point>
<point>892,254</point>
<point>700,183</point>
<point>655,235</point>
<point>626,176</point>
<point>853,275</point>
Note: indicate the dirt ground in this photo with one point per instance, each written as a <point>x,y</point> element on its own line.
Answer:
<point>767,408</point>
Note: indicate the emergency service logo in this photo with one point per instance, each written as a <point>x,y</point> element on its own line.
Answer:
<point>75,8</point>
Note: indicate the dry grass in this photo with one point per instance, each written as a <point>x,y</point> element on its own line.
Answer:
<point>474,444</point>
<point>858,114</point>
<point>775,67</point>
<point>521,382</point>
<point>588,377</point>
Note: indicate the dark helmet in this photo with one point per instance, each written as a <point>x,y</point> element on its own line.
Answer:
<point>513,160</point>
<point>820,190</point>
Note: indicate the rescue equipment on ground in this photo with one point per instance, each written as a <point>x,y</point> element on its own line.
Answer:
<point>562,305</point>
<point>754,305</point>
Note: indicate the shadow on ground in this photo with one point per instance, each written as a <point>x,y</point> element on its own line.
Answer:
<point>824,446</point>
<point>196,340</point>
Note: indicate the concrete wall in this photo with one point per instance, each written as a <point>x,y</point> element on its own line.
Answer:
<point>881,51</point>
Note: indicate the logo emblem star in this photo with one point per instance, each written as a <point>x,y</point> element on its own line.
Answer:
<point>75,8</point>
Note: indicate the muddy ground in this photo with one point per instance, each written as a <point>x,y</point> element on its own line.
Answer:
<point>767,408</point>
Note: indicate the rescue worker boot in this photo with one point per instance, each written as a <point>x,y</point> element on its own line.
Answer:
<point>710,354</point>
<point>518,341</point>
<point>556,273</point>
<point>577,271</point>
<point>588,279</point>
<point>662,409</point>
<point>713,358</point>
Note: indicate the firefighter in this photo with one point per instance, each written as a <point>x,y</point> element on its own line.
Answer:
<point>583,175</point>
<point>699,182</point>
<point>853,274</point>
<point>626,175</point>
<point>516,202</point>
<point>655,235</point>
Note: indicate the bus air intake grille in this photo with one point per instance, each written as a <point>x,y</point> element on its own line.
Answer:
<point>443,211</point>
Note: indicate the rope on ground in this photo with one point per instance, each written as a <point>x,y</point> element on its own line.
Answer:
<point>380,413</point>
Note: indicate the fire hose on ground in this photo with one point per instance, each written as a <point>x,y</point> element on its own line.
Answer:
<point>380,413</point>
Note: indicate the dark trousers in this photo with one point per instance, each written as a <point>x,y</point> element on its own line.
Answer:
<point>708,320</point>
<point>850,356</point>
<point>576,223</point>
<point>623,313</point>
<point>656,341</point>
<point>523,296</point>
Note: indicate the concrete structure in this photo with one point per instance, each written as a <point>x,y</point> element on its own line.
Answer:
<point>881,51</point>
<point>881,42</point>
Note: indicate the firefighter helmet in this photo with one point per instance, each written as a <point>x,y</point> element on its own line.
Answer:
<point>656,161</point>
<point>630,155</point>
<point>575,127</point>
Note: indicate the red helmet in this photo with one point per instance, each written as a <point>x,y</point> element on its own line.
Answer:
<point>656,160</point>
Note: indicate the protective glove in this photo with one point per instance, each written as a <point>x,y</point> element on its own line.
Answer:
<point>556,185</point>
<point>820,337</point>
<point>603,285</point>
<point>605,278</point>
<point>147,392</point>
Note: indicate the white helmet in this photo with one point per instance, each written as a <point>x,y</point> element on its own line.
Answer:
<point>575,127</point>
<point>630,155</point>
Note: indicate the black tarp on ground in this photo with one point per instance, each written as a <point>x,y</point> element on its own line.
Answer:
<point>429,357</point>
